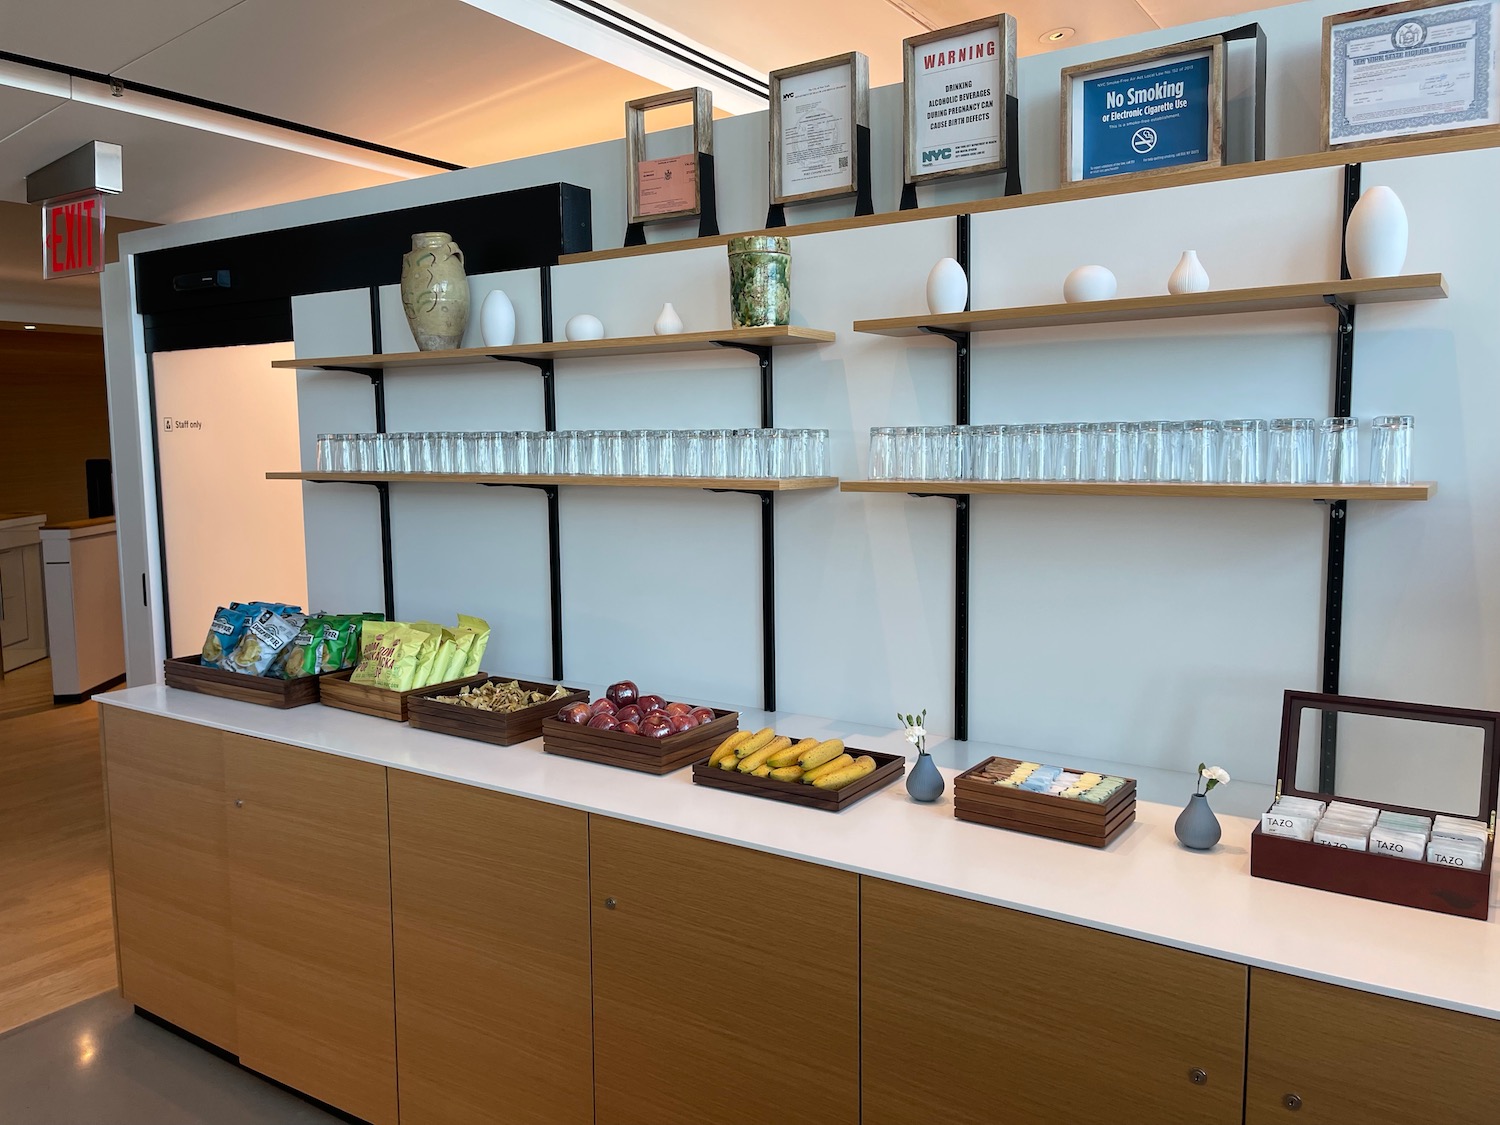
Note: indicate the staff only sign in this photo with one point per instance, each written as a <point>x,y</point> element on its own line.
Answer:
<point>1144,113</point>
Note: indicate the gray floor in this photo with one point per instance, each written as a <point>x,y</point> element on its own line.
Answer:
<point>97,1063</point>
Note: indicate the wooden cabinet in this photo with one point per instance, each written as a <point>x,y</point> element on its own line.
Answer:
<point>974,1014</point>
<point>490,900</point>
<point>726,984</point>
<point>1325,1055</point>
<point>170,865</point>
<point>311,898</point>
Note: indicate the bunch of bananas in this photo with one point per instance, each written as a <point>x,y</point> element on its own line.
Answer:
<point>767,754</point>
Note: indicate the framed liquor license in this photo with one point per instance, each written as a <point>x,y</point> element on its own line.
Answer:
<point>1145,114</point>
<point>957,81</point>
<point>818,111</point>
<point>1426,67</point>
<point>668,187</point>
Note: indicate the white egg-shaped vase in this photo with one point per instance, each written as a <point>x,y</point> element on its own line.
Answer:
<point>947,287</point>
<point>1089,283</point>
<point>1189,276</point>
<point>497,320</point>
<point>668,323</point>
<point>1375,240</point>
<point>584,326</point>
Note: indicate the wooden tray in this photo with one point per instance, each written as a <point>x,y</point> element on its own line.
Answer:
<point>1043,814</point>
<point>189,674</point>
<point>888,767</point>
<point>636,751</point>
<point>499,728</point>
<point>339,691</point>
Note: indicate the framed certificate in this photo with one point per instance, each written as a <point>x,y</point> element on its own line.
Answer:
<point>1422,68</point>
<point>956,81</point>
<point>667,187</point>
<point>817,111</point>
<point>1145,114</point>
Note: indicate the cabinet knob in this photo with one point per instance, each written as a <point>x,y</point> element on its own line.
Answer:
<point>1292,1101</point>
<point>609,904</point>
<point>238,803</point>
<point>1198,1076</point>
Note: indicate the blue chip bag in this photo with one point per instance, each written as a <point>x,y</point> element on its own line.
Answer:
<point>224,634</point>
<point>267,634</point>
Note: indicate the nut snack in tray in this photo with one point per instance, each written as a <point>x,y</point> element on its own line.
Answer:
<point>764,753</point>
<point>501,697</point>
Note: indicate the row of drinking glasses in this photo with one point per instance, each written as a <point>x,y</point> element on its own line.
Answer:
<point>665,453</point>
<point>1237,451</point>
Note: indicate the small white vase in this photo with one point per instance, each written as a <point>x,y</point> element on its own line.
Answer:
<point>497,320</point>
<point>1375,240</point>
<point>668,323</point>
<point>947,287</point>
<point>584,327</point>
<point>1189,276</point>
<point>1089,283</point>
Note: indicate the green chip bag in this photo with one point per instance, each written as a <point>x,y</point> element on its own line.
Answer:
<point>481,631</point>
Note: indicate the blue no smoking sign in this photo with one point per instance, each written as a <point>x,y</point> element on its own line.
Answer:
<point>1147,118</point>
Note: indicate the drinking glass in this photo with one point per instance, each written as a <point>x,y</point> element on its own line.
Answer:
<point>1243,451</point>
<point>882,451</point>
<point>568,452</point>
<point>1111,454</point>
<point>538,446</point>
<point>479,451</point>
<point>369,453</point>
<point>1156,452</point>
<point>1390,449</point>
<point>614,453</point>
<point>814,461</point>
<point>989,453</point>
<point>1029,447</point>
<point>1065,446</point>
<point>654,455</point>
<point>1338,451</point>
<point>939,451</point>
<point>1200,450</point>
<point>1289,458</point>
<point>323,453</point>
<point>717,452</point>
<point>688,453</point>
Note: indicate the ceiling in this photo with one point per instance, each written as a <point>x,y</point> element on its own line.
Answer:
<point>440,78</point>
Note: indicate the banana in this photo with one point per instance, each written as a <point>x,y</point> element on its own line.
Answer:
<point>790,755</point>
<point>863,766</point>
<point>787,773</point>
<point>728,745</point>
<point>728,762</point>
<point>822,752</point>
<point>841,762</point>
<point>751,745</point>
<point>762,770</point>
<point>754,761</point>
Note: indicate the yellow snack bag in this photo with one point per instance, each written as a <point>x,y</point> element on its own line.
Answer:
<point>388,655</point>
<point>427,657</point>
<point>481,641</point>
<point>452,658</point>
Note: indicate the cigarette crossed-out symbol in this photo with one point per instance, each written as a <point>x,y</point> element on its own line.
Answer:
<point>1144,140</point>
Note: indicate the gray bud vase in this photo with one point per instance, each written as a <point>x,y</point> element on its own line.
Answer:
<point>924,783</point>
<point>1197,827</point>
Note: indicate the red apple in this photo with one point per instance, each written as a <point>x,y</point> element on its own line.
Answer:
<point>622,693</point>
<point>679,708</point>
<point>630,713</point>
<point>602,707</point>
<point>628,728</point>
<point>649,703</point>
<point>681,723</point>
<point>575,713</point>
<point>703,714</point>
<point>656,725</point>
<point>604,721</point>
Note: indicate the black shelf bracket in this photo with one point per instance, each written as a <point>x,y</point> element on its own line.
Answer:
<point>767,590</point>
<point>554,562</point>
<point>763,354</point>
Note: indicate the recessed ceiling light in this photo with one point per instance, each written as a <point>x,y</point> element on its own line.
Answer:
<point>29,327</point>
<point>1057,35</point>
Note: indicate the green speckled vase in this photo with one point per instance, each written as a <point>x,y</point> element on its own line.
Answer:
<point>435,292</point>
<point>760,272</point>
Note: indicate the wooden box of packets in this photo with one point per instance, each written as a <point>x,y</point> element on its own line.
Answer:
<point>979,796</point>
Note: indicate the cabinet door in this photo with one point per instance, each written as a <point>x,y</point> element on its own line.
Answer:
<point>311,893</point>
<point>170,864</point>
<point>490,898</point>
<point>975,1014</point>
<point>725,983</point>
<point>1343,1056</point>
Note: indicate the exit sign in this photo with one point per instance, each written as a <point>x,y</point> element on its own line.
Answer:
<point>73,236</point>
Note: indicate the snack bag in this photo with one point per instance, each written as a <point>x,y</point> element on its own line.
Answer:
<point>427,657</point>
<point>457,656</point>
<point>224,632</point>
<point>388,655</point>
<point>300,658</point>
<point>481,629</point>
<point>268,633</point>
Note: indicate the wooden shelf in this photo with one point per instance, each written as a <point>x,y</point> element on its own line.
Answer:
<point>1421,490</point>
<point>755,484</point>
<point>1270,298</point>
<point>773,337</point>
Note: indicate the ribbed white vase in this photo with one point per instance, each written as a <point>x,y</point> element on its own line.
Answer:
<point>1189,276</point>
<point>1376,238</point>
<point>668,323</point>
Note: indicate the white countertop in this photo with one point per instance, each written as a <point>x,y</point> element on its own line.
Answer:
<point>1144,885</point>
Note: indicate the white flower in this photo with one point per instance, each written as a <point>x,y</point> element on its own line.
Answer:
<point>914,735</point>
<point>1217,774</point>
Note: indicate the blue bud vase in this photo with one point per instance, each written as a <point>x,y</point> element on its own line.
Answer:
<point>1196,826</point>
<point>924,783</point>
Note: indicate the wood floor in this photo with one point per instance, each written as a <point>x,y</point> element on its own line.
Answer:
<point>56,931</point>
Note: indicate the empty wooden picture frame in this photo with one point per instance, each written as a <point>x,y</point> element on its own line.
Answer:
<point>1151,113</point>
<point>955,84</point>
<point>667,187</point>
<point>1423,68</point>
<point>817,110</point>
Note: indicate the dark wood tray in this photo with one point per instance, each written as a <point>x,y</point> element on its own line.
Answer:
<point>339,691</point>
<point>888,767</point>
<point>499,728</point>
<point>636,751</point>
<point>188,674</point>
<point>1043,814</point>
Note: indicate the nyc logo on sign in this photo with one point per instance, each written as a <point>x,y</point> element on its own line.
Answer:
<point>931,155</point>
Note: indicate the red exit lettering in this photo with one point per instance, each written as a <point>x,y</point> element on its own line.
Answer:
<point>73,237</point>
